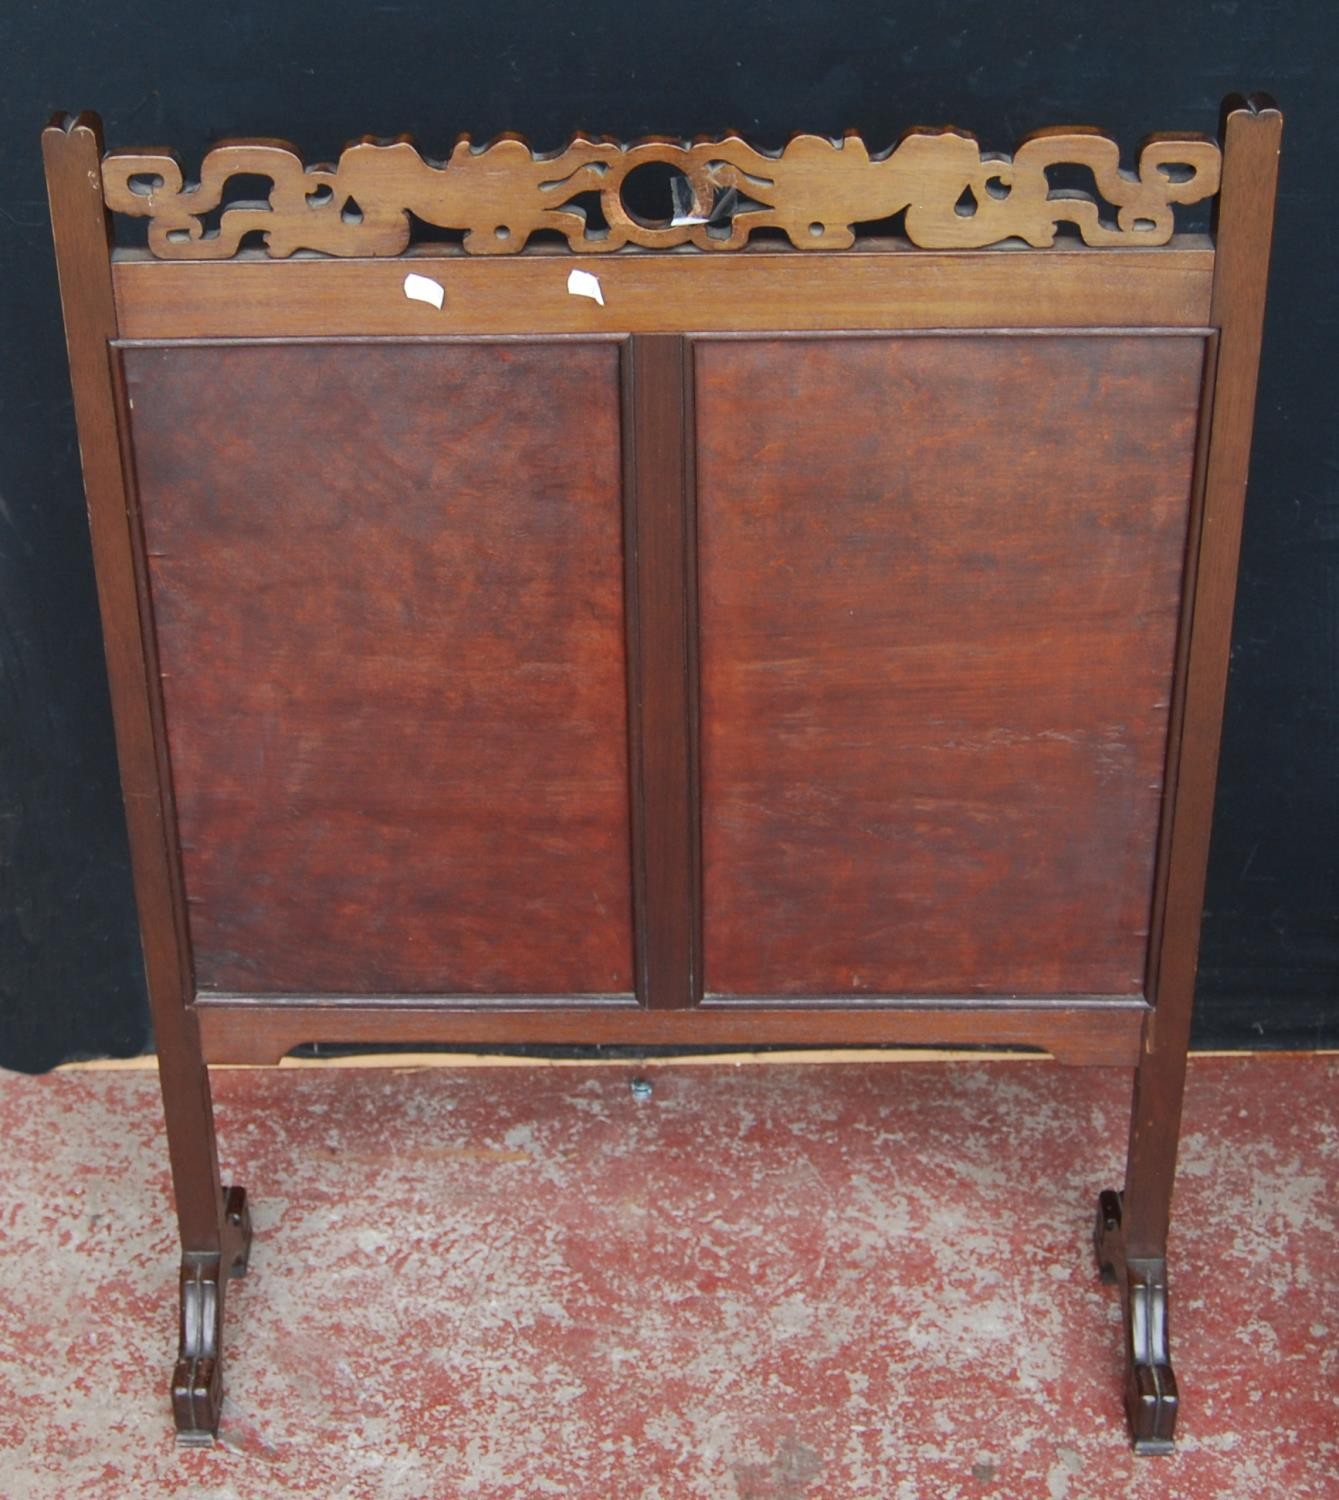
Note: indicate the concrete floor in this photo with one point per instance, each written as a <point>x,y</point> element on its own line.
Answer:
<point>782,1280</point>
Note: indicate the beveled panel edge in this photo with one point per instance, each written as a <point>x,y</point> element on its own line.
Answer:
<point>237,1029</point>
<point>253,297</point>
<point>714,1000</point>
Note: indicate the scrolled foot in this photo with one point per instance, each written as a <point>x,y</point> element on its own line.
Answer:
<point>1151,1400</point>
<point>197,1380</point>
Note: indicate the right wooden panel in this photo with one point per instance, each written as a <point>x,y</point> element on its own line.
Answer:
<point>939,583</point>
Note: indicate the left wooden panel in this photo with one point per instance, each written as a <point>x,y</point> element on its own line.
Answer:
<point>387,589</point>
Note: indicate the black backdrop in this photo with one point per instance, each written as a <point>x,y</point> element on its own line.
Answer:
<point>319,72</point>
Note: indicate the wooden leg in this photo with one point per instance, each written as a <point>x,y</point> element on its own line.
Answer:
<point>215,1240</point>
<point>214,1227</point>
<point>197,1381</point>
<point>1150,1384</point>
<point>1131,1238</point>
<point>1132,1227</point>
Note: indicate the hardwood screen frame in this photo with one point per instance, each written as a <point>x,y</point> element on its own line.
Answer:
<point>1210,286</point>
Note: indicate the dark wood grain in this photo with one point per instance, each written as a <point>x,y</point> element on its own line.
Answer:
<point>940,580</point>
<point>212,1220</point>
<point>1132,1227</point>
<point>527,294</point>
<point>661,636</point>
<point>909,703</point>
<point>1152,1401</point>
<point>72,150</point>
<point>1244,227</point>
<point>387,584</point>
<point>1101,1031</point>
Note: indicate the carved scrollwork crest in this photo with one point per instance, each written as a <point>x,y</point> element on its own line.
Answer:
<point>816,191</point>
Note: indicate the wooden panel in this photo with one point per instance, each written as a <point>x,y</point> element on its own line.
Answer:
<point>387,586</point>
<point>668,293</point>
<point>939,581</point>
<point>1104,1033</point>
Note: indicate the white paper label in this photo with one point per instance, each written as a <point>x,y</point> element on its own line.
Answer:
<point>424,289</point>
<point>583,284</point>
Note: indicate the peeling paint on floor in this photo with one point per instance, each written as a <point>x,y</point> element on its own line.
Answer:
<point>765,1282</point>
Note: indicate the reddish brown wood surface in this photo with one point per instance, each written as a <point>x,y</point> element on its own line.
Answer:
<point>939,589</point>
<point>366,633</point>
<point>867,287</point>
<point>72,148</point>
<point>1102,1032</point>
<point>212,1220</point>
<point>1244,227</point>
<point>387,583</point>
<point>662,684</point>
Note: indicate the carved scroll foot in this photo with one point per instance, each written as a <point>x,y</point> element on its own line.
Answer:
<point>197,1381</point>
<point>1150,1386</point>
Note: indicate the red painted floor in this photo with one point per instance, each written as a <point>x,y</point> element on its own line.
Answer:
<point>782,1280</point>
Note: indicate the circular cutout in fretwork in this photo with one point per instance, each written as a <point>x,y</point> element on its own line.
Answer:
<point>652,193</point>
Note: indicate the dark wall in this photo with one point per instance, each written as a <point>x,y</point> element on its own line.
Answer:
<point>182,74</point>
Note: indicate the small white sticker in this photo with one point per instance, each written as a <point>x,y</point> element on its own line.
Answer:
<point>583,284</point>
<point>424,289</point>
